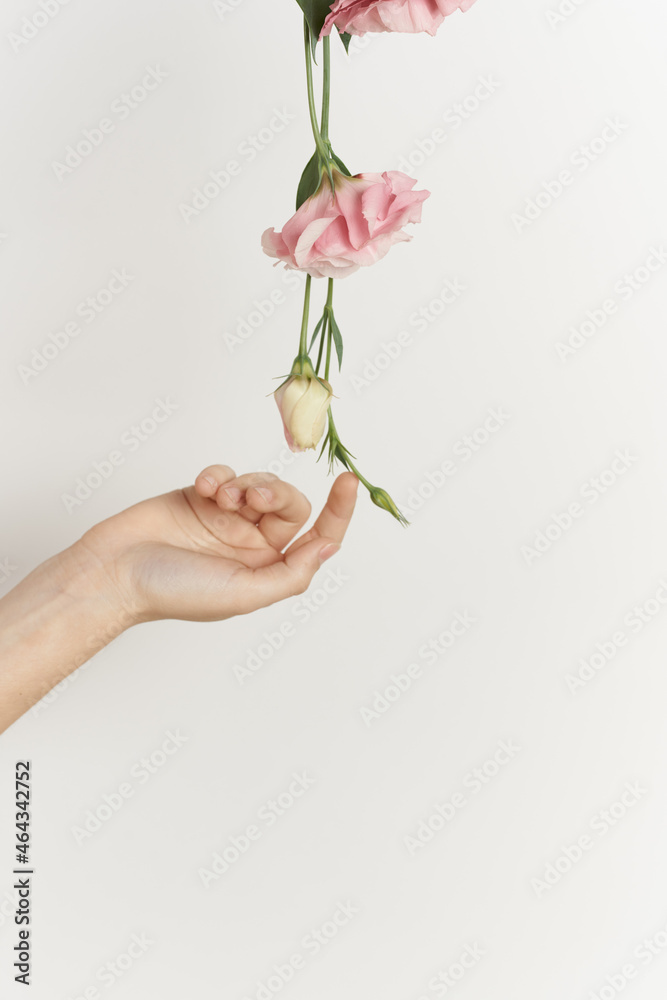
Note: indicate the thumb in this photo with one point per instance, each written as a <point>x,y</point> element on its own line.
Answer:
<point>290,576</point>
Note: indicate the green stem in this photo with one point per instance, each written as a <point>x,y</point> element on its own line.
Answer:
<point>333,433</point>
<point>321,147</point>
<point>303,341</point>
<point>328,308</point>
<point>326,88</point>
<point>323,333</point>
<point>328,361</point>
<point>327,316</point>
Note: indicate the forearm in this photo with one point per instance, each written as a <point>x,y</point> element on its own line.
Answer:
<point>50,624</point>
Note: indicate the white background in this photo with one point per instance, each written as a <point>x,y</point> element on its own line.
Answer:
<point>476,884</point>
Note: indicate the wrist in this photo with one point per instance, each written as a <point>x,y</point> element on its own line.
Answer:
<point>89,582</point>
<point>51,623</point>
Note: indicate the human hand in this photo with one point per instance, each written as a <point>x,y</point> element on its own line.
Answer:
<point>222,547</point>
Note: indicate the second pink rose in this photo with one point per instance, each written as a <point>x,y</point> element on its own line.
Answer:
<point>333,236</point>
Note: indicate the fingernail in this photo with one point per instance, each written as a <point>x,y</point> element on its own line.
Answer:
<point>266,495</point>
<point>328,551</point>
<point>233,493</point>
<point>211,482</point>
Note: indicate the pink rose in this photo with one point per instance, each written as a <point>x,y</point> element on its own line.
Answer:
<point>356,17</point>
<point>333,236</point>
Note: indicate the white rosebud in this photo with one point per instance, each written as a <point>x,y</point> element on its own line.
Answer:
<point>303,401</point>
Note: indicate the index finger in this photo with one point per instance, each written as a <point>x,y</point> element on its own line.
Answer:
<point>336,514</point>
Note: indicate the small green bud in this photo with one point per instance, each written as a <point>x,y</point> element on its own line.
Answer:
<point>382,499</point>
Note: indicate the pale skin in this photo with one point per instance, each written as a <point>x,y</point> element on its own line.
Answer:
<point>223,547</point>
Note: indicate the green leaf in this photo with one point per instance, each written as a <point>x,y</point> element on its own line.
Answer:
<point>339,163</point>
<point>310,180</point>
<point>315,332</point>
<point>315,12</point>
<point>338,341</point>
<point>313,44</point>
<point>324,444</point>
<point>345,39</point>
